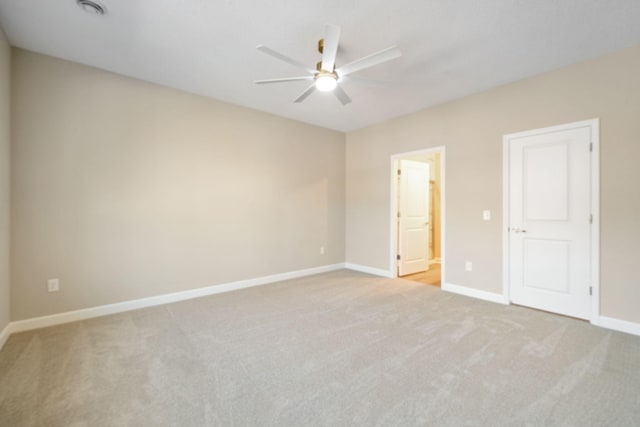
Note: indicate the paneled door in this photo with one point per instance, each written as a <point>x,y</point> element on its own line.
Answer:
<point>549,220</point>
<point>413,217</point>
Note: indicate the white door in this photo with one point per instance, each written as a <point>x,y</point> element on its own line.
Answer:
<point>549,220</point>
<point>413,217</point>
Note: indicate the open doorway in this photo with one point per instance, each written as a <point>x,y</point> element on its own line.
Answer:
<point>417,216</point>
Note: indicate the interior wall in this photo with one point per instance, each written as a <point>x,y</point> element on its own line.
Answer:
<point>5,212</point>
<point>472,129</point>
<point>123,189</point>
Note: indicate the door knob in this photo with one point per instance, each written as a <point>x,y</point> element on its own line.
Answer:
<point>519,230</point>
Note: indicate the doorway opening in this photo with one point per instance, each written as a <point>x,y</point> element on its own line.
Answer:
<point>417,217</point>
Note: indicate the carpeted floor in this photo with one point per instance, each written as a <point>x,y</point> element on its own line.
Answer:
<point>337,349</point>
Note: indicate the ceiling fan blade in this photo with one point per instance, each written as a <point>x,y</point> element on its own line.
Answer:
<point>306,93</point>
<point>330,49</point>
<point>370,60</point>
<point>271,52</point>
<point>342,95</point>
<point>364,81</point>
<point>284,79</point>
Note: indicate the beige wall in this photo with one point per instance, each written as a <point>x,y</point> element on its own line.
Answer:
<point>123,189</point>
<point>472,130</point>
<point>5,91</point>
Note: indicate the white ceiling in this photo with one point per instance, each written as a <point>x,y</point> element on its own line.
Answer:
<point>450,48</point>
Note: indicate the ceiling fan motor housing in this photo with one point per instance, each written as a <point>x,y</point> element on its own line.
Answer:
<point>319,67</point>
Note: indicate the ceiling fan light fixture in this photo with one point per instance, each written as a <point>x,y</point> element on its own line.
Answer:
<point>326,82</point>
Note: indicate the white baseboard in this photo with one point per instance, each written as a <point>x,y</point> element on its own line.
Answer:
<point>475,293</point>
<point>87,313</point>
<point>602,321</point>
<point>103,310</point>
<point>4,335</point>
<point>368,270</point>
<point>617,325</point>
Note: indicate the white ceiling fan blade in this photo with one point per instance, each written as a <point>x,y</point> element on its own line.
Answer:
<point>284,79</point>
<point>342,95</point>
<point>306,93</point>
<point>271,52</point>
<point>330,49</point>
<point>364,81</point>
<point>370,60</point>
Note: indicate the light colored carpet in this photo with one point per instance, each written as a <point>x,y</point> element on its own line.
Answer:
<point>337,349</point>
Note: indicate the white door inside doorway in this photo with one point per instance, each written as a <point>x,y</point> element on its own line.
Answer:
<point>549,220</point>
<point>413,217</point>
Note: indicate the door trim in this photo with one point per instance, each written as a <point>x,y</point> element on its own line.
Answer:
<point>594,126</point>
<point>393,210</point>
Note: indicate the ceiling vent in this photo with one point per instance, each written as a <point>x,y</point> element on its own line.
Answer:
<point>91,7</point>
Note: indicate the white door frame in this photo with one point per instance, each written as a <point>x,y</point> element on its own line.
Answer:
<point>393,217</point>
<point>594,126</point>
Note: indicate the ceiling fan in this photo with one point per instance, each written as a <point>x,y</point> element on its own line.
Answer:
<point>326,76</point>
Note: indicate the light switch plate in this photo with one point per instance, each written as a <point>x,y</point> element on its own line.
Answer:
<point>53,285</point>
<point>486,215</point>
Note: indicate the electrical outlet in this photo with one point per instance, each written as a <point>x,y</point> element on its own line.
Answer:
<point>468,266</point>
<point>321,250</point>
<point>486,215</point>
<point>53,285</point>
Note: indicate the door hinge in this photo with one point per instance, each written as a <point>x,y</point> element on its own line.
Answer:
<point>398,257</point>
<point>591,219</point>
<point>591,147</point>
<point>590,290</point>
<point>398,214</point>
<point>399,172</point>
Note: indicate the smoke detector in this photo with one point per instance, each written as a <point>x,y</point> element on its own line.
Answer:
<point>91,7</point>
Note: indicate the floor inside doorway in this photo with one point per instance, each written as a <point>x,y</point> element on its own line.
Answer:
<point>433,276</point>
